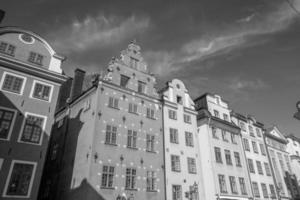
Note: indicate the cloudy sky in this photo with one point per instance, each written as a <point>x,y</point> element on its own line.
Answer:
<point>248,51</point>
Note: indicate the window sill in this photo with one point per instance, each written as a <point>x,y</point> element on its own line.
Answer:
<point>8,54</point>
<point>151,151</point>
<point>131,189</point>
<point>107,188</point>
<point>133,148</point>
<point>111,144</point>
<point>116,108</point>
<point>174,142</point>
<point>192,172</point>
<point>176,170</point>
<point>151,190</point>
<point>153,118</point>
<point>41,99</point>
<point>134,113</point>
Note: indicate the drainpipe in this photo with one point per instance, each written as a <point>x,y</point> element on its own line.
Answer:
<point>164,150</point>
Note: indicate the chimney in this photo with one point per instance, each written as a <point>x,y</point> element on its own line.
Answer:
<point>77,83</point>
<point>2,14</point>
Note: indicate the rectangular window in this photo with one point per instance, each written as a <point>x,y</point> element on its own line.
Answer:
<point>259,167</point>
<point>179,99</point>
<point>222,183</point>
<point>228,157</point>
<point>175,163</point>
<point>243,186</point>
<point>124,81</point>
<point>151,181</point>
<point>242,126</point>
<point>237,159</point>
<point>286,158</point>
<point>133,108</point>
<point>214,132</point>
<point>255,189</point>
<point>150,113</point>
<point>107,176</point>
<point>267,168</point>
<point>224,135</point>
<point>6,122</point>
<point>13,83</point>
<point>130,179</point>
<point>254,146</point>
<point>251,166</point>
<point>172,114</point>
<point>141,87</point>
<point>216,113</point>
<point>113,102</point>
<point>133,62</point>
<point>258,133</point>
<point>272,190</point>
<point>33,128</point>
<point>233,185</point>
<point>225,117</point>
<point>264,190</point>
<point>41,91</point>
<point>218,155</point>
<point>192,165</point>
<point>35,58</point>
<point>262,149</point>
<point>54,151</point>
<point>233,138</point>
<point>174,136</point>
<point>189,141</point>
<point>176,192</point>
<point>246,144</point>
<point>20,179</point>
<point>150,142</point>
<point>111,135</point>
<point>8,49</point>
<point>251,131</point>
<point>131,139</point>
<point>187,118</point>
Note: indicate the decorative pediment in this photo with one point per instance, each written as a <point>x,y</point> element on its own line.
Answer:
<point>275,132</point>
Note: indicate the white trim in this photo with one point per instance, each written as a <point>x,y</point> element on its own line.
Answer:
<point>21,39</point>
<point>9,176</point>
<point>43,83</point>
<point>13,74</point>
<point>1,163</point>
<point>12,122</point>
<point>23,124</point>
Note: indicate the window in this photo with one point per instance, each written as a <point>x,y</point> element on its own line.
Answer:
<point>176,192</point>
<point>111,135</point>
<point>286,158</point>
<point>264,190</point>
<point>258,133</point>
<point>13,83</point>
<point>254,146</point>
<point>222,183</point>
<point>218,155</point>
<point>259,167</point>
<point>7,48</point>
<point>172,114</point>
<point>35,58</point>
<point>124,81</point>
<point>189,141</point>
<point>41,91</point>
<point>179,99</point>
<point>141,87</point>
<point>255,189</point>
<point>174,135</point>
<point>107,176</point>
<point>130,178</point>
<point>214,132</point>
<point>233,139</point>
<point>243,186</point>
<point>187,119</point>
<point>150,139</point>
<point>228,157</point>
<point>237,159</point>
<point>1,162</point>
<point>133,62</point>
<point>233,184</point>
<point>216,113</point>
<point>113,102</point>
<point>267,168</point>
<point>54,151</point>
<point>224,135</point>
<point>33,128</point>
<point>131,139</point>
<point>191,165</point>
<point>151,181</point>
<point>150,113</point>
<point>225,117</point>
<point>20,179</point>
<point>251,166</point>
<point>272,190</point>
<point>132,108</point>
<point>175,163</point>
<point>262,149</point>
<point>242,125</point>
<point>246,144</point>
<point>251,131</point>
<point>7,117</point>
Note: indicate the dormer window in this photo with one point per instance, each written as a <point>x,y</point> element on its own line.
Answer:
<point>124,81</point>
<point>179,100</point>
<point>141,87</point>
<point>216,113</point>
<point>7,48</point>
<point>133,62</point>
<point>36,58</point>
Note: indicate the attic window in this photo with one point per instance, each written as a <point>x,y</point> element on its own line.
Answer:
<point>26,38</point>
<point>178,86</point>
<point>179,99</point>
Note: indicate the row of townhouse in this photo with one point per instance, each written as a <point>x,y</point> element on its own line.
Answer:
<point>115,136</point>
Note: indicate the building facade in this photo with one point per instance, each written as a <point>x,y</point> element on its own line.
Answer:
<point>182,162</point>
<point>30,80</point>
<point>224,167</point>
<point>262,180</point>
<point>116,148</point>
<point>293,148</point>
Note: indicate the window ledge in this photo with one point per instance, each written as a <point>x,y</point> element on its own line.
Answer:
<point>151,151</point>
<point>111,144</point>
<point>117,108</point>
<point>107,188</point>
<point>151,190</point>
<point>131,189</point>
<point>133,148</point>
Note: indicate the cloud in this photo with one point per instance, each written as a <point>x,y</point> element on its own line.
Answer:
<point>97,32</point>
<point>238,84</point>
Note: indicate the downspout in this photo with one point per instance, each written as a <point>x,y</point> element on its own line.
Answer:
<point>164,150</point>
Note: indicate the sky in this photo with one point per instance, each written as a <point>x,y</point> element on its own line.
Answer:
<point>247,51</point>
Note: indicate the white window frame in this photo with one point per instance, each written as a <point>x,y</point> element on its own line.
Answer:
<point>23,124</point>
<point>9,176</point>
<point>43,83</point>
<point>12,122</point>
<point>13,74</point>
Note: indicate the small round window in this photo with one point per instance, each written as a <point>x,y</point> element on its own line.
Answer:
<point>178,86</point>
<point>26,38</point>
